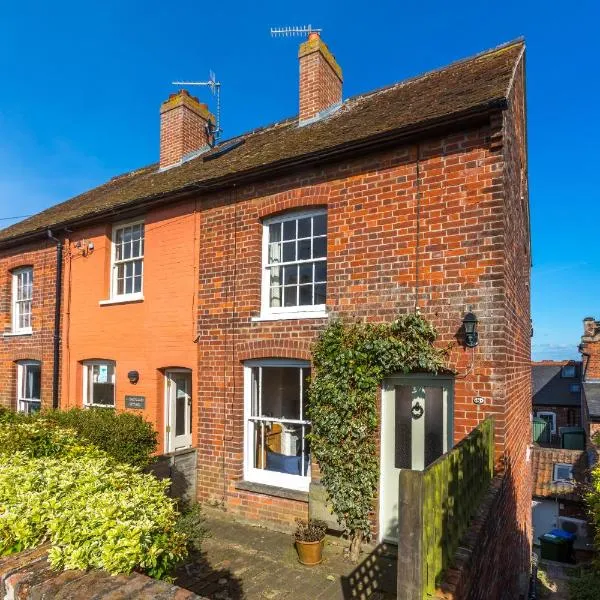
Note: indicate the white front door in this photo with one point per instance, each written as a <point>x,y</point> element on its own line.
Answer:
<point>416,428</point>
<point>178,410</point>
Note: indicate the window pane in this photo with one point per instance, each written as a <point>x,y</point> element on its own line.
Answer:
<point>275,275</point>
<point>304,249</point>
<point>321,271</point>
<point>274,253</point>
<point>281,392</point>
<point>290,296</point>
<point>290,275</point>
<point>137,284</point>
<point>320,225</point>
<point>275,297</point>
<point>305,295</point>
<point>306,273</point>
<point>275,232</point>
<point>304,227</point>
<point>321,293</point>
<point>135,249</point>
<point>320,247</point>
<point>289,251</point>
<point>32,374</point>
<point>289,230</point>
<point>101,385</point>
<point>180,408</point>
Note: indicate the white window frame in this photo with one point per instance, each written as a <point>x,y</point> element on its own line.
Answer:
<point>558,466</point>
<point>24,404</point>
<point>15,303</point>
<point>288,312</point>
<point>86,370</point>
<point>251,474</point>
<point>548,413</point>
<point>114,296</point>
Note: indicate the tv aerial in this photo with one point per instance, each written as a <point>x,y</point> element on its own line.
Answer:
<point>215,88</point>
<point>294,31</point>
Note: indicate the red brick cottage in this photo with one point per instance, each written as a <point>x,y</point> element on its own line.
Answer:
<point>200,283</point>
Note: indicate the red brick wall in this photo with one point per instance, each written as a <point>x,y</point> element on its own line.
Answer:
<point>38,345</point>
<point>565,416</point>
<point>320,84</point>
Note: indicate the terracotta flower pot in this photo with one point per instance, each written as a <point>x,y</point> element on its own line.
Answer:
<point>310,553</point>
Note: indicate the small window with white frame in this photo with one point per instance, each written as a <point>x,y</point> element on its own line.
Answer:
<point>562,472</point>
<point>276,452</point>
<point>295,264</point>
<point>29,384</point>
<point>549,417</point>
<point>99,383</point>
<point>568,371</point>
<point>127,261</point>
<point>22,296</point>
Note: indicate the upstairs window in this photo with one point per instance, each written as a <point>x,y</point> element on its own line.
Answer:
<point>568,371</point>
<point>563,472</point>
<point>99,383</point>
<point>29,383</point>
<point>550,418</point>
<point>127,261</point>
<point>295,263</point>
<point>22,294</point>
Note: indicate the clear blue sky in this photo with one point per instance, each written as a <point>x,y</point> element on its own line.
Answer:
<point>81,83</point>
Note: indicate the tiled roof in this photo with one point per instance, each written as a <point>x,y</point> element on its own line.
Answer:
<point>470,86</point>
<point>591,392</point>
<point>542,465</point>
<point>550,389</point>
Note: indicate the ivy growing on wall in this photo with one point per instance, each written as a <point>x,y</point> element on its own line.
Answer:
<point>350,362</point>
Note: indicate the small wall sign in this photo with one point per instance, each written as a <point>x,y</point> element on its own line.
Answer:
<point>138,402</point>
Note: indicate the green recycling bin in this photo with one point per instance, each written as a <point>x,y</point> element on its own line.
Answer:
<point>557,545</point>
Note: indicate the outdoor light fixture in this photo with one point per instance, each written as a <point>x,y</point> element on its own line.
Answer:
<point>133,376</point>
<point>470,325</point>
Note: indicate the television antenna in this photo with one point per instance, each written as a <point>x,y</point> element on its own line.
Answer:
<point>215,88</point>
<point>302,30</point>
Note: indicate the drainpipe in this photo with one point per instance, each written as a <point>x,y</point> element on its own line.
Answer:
<point>57,302</point>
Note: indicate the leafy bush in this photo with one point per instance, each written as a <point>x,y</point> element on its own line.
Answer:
<point>310,530</point>
<point>351,360</point>
<point>128,438</point>
<point>94,512</point>
<point>191,523</point>
<point>586,587</point>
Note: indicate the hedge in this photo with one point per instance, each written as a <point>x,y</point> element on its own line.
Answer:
<point>93,511</point>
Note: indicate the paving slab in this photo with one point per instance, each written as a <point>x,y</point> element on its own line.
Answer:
<point>244,562</point>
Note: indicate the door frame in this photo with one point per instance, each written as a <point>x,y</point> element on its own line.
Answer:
<point>167,405</point>
<point>387,390</point>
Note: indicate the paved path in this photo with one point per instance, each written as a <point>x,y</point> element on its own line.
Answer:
<point>251,563</point>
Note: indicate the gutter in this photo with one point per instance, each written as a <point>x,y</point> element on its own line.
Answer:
<point>57,306</point>
<point>358,147</point>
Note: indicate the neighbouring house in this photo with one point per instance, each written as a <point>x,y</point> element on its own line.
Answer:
<point>557,396</point>
<point>590,352</point>
<point>192,290</point>
<point>558,474</point>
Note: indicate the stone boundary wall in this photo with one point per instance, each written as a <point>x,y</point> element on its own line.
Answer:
<point>181,468</point>
<point>28,576</point>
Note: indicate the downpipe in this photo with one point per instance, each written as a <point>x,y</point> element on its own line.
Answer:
<point>57,307</point>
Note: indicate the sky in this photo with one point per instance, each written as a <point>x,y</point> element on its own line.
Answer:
<point>81,84</point>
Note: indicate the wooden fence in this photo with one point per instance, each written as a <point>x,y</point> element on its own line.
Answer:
<point>435,509</point>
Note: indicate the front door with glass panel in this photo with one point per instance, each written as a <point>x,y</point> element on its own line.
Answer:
<point>178,402</point>
<point>416,429</point>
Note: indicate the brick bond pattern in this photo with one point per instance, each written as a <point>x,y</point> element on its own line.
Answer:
<point>38,345</point>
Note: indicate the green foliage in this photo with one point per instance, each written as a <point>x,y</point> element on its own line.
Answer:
<point>94,512</point>
<point>592,498</point>
<point>586,587</point>
<point>127,437</point>
<point>351,360</point>
<point>191,524</point>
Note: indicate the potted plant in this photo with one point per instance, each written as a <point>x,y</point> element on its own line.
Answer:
<point>309,537</point>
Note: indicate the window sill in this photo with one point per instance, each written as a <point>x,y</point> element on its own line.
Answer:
<point>122,300</point>
<point>17,333</point>
<point>317,314</point>
<point>271,490</point>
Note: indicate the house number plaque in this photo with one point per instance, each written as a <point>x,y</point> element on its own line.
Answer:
<point>138,402</point>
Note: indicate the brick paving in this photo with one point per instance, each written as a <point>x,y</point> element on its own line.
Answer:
<point>245,562</point>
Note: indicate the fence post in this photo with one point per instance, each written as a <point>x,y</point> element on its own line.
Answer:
<point>410,536</point>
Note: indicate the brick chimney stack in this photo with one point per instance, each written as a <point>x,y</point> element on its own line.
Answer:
<point>320,78</point>
<point>590,349</point>
<point>184,128</point>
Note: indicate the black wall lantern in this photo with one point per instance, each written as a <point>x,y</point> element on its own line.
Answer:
<point>133,376</point>
<point>470,325</point>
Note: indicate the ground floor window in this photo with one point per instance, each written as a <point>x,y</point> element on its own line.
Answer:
<point>99,383</point>
<point>29,383</point>
<point>276,449</point>
<point>550,418</point>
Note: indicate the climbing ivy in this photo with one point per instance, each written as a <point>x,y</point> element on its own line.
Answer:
<point>350,361</point>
